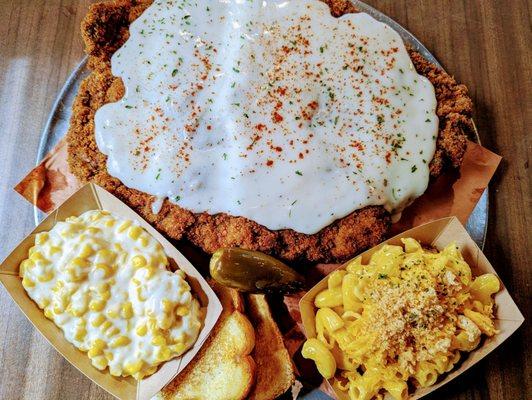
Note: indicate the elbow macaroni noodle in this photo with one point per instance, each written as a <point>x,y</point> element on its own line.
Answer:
<point>104,281</point>
<point>405,316</point>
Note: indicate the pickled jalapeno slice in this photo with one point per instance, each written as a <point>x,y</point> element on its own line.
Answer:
<point>253,272</point>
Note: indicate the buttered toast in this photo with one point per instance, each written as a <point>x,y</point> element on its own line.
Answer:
<point>223,369</point>
<point>275,374</point>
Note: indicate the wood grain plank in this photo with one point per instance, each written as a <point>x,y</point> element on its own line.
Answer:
<point>484,43</point>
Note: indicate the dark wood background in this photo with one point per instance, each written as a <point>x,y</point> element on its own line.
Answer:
<point>484,43</point>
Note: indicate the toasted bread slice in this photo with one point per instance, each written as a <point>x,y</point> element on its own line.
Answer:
<point>223,368</point>
<point>275,373</point>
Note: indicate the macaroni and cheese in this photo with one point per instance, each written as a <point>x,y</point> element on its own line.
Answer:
<point>405,316</point>
<point>104,281</point>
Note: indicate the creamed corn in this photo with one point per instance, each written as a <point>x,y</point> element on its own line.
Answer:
<point>104,281</point>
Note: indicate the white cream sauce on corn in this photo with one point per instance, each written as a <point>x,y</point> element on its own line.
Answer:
<point>271,110</point>
<point>104,281</point>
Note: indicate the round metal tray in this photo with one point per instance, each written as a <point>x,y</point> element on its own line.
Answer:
<point>59,119</point>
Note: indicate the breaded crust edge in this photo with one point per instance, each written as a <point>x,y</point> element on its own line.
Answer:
<point>105,29</point>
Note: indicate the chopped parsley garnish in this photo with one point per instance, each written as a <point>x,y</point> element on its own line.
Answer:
<point>299,173</point>
<point>414,168</point>
<point>174,72</point>
<point>383,276</point>
<point>224,156</point>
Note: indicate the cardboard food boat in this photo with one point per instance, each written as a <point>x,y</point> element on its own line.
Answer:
<point>92,197</point>
<point>437,234</point>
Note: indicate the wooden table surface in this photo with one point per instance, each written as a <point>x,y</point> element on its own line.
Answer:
<point>484,43</point>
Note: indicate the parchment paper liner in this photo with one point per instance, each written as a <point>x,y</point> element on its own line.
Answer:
<point>438,234</point>
<point>91,197</point>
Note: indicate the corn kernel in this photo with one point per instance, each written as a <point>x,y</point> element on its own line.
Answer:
<point>46,277</point>
<point>32,250</point>
<point>93,230</point>
<point>135,281</point>
<point>43,303</point>
<point>86,251</point>
<point>54,250</point>
<point>110,356</point>
<point>112,313</point>
<point>115,370</point>
<point>106,269</point>
<point>78,311</point>
<point>123,226</point>
<point>127,310</point>
<point>58,286</point>
<point>158,340</point>
<point>118,247</point>
<point>75,275</point>
<point>163,354</point>
<point>42,238</point>
<point>138,261</point>
<point>80,262</point>
<point>112,332</point>
<point>134,232</point>
<point>168,306</point>
<point>98,320</point>
<point>110,223</point>
<point>165,323</point>
<point>99,362</point>
<point>58,308</point>
<point>119,342</point>
<point>141,330</point>
<point>37,256</point>
<point>97,305</point>
<point>96,348</point>
<point>25,266</point>
<point>133,368</point>
<point>80,334</point>
<point>152,324</point>
<point>106,256</point>
<point>144,241</point>
<point>149,272</point>
<point>48,313</point>
<point>102,288</point>
<point>182,311</point>
<point>27,282</point>
<point>178,348</point>
<point>106,325</point>
<point>140,297</point>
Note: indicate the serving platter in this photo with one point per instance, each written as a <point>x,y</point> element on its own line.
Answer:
<point>59,118</point>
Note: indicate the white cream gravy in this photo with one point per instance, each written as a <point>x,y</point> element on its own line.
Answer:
<point>271,110</point>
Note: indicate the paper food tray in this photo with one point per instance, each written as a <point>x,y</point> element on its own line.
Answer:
<point>92,197</point>
<point>438,234</point>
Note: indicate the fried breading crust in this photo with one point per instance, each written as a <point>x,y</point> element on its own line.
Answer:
<point>105,29</point>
